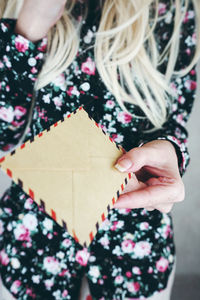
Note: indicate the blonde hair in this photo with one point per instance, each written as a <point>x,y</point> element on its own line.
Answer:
<point>127,67</point>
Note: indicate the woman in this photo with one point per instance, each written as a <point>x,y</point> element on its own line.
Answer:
<point>138,82</point>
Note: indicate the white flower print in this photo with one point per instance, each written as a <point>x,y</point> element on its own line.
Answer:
<point>49,283</point>
<point>15,263</point>
<point>30,222</point>
<point>46,98</point>
<point>94,271</point>
<point>142,249</point>
<point>87,38</point>
<point>104,241</point>
<point>119,279</point>
<point>105,225</point>
<point>52,265</point>
<point>7,114</point>
<point>36,279</point>
<point>48,224</point>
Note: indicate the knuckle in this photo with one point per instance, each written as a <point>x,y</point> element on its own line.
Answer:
<point>166,209</point>
<point>134,151</point>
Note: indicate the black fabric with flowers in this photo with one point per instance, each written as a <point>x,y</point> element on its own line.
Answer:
<point>133,251</point>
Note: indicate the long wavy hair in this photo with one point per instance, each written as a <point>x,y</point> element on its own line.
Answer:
<point>125,50</point>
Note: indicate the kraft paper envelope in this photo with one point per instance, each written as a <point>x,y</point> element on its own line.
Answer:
<point>69,170</point>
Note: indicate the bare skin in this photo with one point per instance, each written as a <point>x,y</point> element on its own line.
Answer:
<point>37,17</point>
<point>157,183</point>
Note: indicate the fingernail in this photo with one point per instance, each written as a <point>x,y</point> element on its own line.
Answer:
<point>166,180</point>
<point>123,165</point>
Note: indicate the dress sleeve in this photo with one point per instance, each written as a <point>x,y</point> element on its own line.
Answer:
<point>20,63</point>
<point>185,87</point>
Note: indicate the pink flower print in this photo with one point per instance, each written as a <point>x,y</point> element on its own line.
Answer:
<point>65,293</point>
<point>150,270</point>
<point>15,286</point>
<point>114,226</point>
<point>110,104</point>
<point>8,210</point>
<point>180,119</point>
<point>30,293</point>
<point>127,246</point>
<point>128,274</point>
<point>51,265</point>
<point>189,15</point>
<point>125,211</point>
<point>174,88</point>
<point>4,259</point>
<point>60,81</point>
<point>22,233</point>
<point>63,273</point>
<point>7,114</point>
<point>82,257</point>
<point>188,51</point>
<point>124,117</point>
<point>161,8</point>
<point>28,204</point>
<point>104,241</point>
<point>73,91</point>
<point>191,85</point>
<point>88,66</point>
<point>19,112</point>
<point>136,270</point>
<point>167,231</point>
<point>57,101</point>
<point>144,226</point>
<point>181,99</point>
<point>21,43</point>
<point>33,70</point>
<point>119,279</point>
<point>7,61</point>
<point>133,287</point>
<point>103,127</point>
<point>17,124</point>
<point>117,138</point>
<point>162,264</point>
<point>193,72</point>
<point>66,243</point>
<point>43,45</point>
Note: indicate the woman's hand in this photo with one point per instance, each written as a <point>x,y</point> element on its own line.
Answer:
<point>37,17</point>
<point>157,183</point>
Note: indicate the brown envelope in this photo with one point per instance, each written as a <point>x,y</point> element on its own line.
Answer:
<point>69,169</point>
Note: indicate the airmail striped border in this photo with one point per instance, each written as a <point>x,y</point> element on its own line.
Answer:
<point>42,205</point>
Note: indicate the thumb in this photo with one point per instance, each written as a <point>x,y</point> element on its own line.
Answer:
<point>133,160</point>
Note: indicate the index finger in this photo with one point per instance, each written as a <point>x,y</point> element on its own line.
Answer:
<point>150,196</point>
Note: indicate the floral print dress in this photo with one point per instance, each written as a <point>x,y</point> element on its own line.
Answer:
<point>133,252</point>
